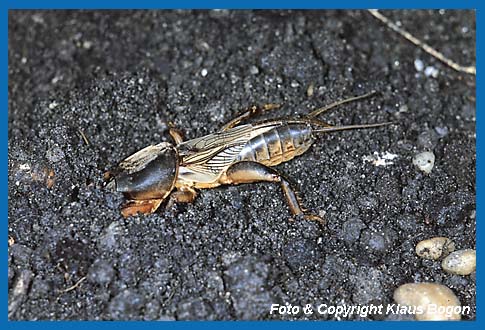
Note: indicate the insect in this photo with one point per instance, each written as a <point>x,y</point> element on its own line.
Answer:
<point>235,154</point>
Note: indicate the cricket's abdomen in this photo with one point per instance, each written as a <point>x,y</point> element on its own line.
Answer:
<point>278,145</point>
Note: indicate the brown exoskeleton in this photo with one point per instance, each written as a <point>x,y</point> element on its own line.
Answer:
<point>235,154</point>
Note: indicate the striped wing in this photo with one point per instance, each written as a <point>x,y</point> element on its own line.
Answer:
<point>214,152</point>
<point>204,159</point>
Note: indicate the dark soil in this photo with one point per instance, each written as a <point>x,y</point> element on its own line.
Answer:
<point>87,89</point>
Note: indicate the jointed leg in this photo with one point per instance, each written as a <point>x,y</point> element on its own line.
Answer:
<point>132,207</point>
<point>176,135</point>
<point>251,112</point>
<point>183,195</point>
<point>249,172</point>
<point>140,206</point>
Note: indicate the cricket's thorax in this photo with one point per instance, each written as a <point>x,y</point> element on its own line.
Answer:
<point>149,173</point>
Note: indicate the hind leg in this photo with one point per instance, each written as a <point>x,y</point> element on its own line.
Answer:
<point>249,172</point>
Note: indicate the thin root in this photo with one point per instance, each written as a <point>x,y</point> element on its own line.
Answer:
<point>78,283</point>
<point>83,137</point>
<point>427,48</point>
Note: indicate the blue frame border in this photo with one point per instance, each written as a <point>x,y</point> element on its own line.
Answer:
<point>254,4</point>
<point>238,4</point>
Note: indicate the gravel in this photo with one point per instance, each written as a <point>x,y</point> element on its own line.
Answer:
<point>89,88</point>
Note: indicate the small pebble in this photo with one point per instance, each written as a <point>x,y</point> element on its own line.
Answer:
<point>435,248</point>
<point>310,90</point>
<point>424,161</point>
<point>87,44</point>
<point>351,230</point>
<point>433,302</point>
<point>462,262</point>
<point>53,105</point>
<point>254,70</point>
<point>418,65</point>
<point>431,71</point>
<point>442,131</point>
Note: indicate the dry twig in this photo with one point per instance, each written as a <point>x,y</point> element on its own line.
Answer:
<point>427,48</point>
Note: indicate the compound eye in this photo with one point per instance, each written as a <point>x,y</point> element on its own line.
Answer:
<point>149,174</point>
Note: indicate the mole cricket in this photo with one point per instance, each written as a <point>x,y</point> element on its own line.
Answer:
<point>235,154</point>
